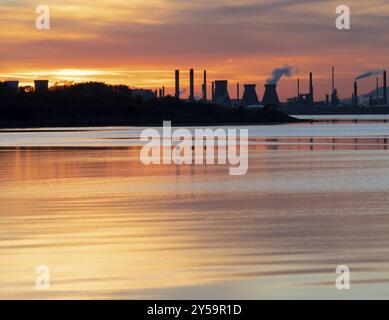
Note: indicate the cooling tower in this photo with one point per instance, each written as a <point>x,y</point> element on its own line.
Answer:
<point>221,93</point>
<point>41,86</point>
<point>249,96</point>
<point>270,98</point>
<point>191,85</point>
<point>12,85</point>
<point>177,94</point>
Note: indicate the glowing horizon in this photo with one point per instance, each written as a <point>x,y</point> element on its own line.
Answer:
<point>141,44</point>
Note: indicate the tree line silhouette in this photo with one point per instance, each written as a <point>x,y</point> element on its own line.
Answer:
<point>96,103</point>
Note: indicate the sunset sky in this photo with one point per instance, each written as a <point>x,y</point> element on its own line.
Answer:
<point>140,43</point>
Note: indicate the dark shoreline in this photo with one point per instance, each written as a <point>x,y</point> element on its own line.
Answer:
<point>35,125</point>
<point>100,105</point>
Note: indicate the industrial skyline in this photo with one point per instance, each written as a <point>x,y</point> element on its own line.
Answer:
<point>220,90</point>
<point>139,43</point>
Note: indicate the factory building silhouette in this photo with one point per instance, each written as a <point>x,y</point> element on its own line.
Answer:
<point>220,94</point>
<point>40,86</point>
<point>270,99</point>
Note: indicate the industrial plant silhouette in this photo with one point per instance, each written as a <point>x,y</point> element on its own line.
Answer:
<point>95,103</point>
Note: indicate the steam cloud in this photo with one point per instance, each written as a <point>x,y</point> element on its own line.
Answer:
<point>278,73</point>
<point>370,73</point>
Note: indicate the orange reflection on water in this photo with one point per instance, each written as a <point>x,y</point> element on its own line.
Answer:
<point>109,227</point>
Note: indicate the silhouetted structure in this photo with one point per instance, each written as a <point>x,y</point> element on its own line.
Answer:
<point>99,104</point>
<point>249,96</point>
<point>221,93</point>
<point>385,89</point>
<point>41,86</point>
<point>191,85</point>
<point>303,99</point>
<point>213,91</point>
<point>177,93</point>
<point>205,86</point>
<point>355,95</point>
<point>334,95</point>
<point>143,94</point>
<point>377,88</point>
<point>13,86</point>
<point>270,97</point>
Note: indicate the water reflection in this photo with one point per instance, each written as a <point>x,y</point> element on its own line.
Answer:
<point>110,227</point>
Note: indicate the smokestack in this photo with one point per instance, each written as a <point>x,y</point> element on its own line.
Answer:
<point>191,86</point>
<point>205,86</point>
<point>237,92</point>
<point>311,87</point>
<point>221,93</point>
<point>177,95</point>
<point>377,95</point>
<point>249,96</point>
<point>163,91</point>
<point>213,90</point>
<point>327,99</point>
<point>270,98</point>
<point>385,89</point>
<point>333,79</point>
<point>355,94</point>
<point>298,88</point>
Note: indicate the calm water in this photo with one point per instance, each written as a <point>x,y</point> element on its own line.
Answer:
<point>80,202</point>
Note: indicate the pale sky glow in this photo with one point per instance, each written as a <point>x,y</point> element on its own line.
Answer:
<point>140,43</point>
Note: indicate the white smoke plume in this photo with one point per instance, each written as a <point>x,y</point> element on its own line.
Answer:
<point>370,73</point>
<point>278,73</point>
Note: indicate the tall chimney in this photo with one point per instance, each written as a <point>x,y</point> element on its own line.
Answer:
<point>377,95</point>
<point>311,87</point>
<point>385,89</point>
<point>213,90</point>
<point>333,79</point>
<point>177,95</point>
<point>163,91</point>
<point>205,86</point>
<point>191,86</point>
<point>356,94</point>
<point>237,92</point>
<point>298,88</point>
